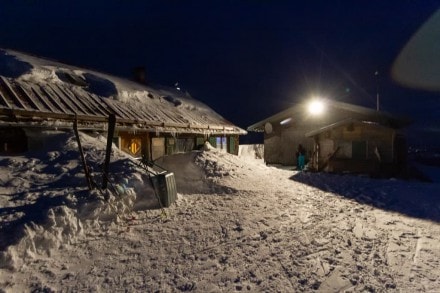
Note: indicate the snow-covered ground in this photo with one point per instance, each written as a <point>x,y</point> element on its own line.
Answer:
<point>238,225</point>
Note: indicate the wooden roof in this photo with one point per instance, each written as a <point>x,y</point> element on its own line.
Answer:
<point>56,102</point>
<point>334,112</point>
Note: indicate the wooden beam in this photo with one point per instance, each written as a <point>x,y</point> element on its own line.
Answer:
<point>13,94</point>
<point>100,104</point>
<point>53,99</point>
<point>44,100</point>
<point>83,159</point>
<point>110,133</point>
<point>67,98</point>
<point>5,100</point>
<point>55,95</point>
<point>28,96</point>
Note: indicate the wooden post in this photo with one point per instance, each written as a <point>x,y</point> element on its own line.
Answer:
<point>83,159</point>
<point>111,131</point>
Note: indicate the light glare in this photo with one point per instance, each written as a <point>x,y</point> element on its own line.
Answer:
<point>316,107</point>
<point>285,121</point>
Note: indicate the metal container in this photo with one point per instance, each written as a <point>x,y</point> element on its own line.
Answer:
<point>166,188</point>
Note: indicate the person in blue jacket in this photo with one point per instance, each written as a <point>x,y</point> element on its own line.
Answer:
<point>300,157</point>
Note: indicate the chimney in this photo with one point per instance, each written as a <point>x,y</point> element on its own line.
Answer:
<point>140,75</point>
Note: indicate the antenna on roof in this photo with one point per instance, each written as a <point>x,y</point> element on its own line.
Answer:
<point>377,89</point>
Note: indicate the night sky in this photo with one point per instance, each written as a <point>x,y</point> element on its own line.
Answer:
<point>245,59</point>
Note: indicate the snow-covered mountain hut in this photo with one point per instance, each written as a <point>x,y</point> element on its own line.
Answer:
<point>336,136</point>
<point>37,95</point>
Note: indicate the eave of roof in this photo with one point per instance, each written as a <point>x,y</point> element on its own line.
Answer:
<point>18,117</point>
<point>259,126</point>
<point>342,123</point>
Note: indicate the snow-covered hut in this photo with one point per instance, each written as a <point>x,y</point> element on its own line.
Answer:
<point>37,95</point>
<point>336,136</point>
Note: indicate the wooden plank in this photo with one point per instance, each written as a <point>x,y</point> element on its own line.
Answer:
<point>22,97</point>
<point>146,114</point>
<point>108,150</point>
<point>53,99</point>
<point>83,158</point>
<point>127,111</point>
<point>28,96</point>
<point>92,103</point>
<point>50,115</point>
<point>184,118</point>
<point>197,118</point>
<point>12,94</point>
<point>171,116</point>
<point>100,104</point>
<point>63,100</point>
<point>119,110</point>
<point>80,100</point>
<point>73,101</point>
<point>4,100</point>
<point>45,101</point>
<point>141,112</point>
<point>115,109</point>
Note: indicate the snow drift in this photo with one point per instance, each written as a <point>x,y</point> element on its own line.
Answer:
<point>238,225</point>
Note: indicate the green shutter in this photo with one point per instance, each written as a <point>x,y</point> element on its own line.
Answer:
<point>213,141</point>
<point>171,146</point>
<point>231,144</point>
<point>200,141</point>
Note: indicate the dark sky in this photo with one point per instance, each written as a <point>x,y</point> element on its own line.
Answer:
<point>246,59</point>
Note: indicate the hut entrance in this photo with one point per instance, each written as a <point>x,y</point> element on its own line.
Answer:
<point>13,141</point>
<point>157,147</point>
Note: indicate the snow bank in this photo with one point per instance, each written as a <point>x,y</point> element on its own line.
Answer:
<point>48,188</point>
<point>255,151</point>
<point>61,228</point>
<point>201,171</point>
<point>57,207</point>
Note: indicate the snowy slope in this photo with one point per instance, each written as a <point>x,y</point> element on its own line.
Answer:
<point>238,225</point>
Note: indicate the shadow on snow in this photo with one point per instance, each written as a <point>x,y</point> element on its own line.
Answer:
<point>412,198</point>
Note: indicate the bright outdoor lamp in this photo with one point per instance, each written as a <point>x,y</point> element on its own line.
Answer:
<point>316,107</point>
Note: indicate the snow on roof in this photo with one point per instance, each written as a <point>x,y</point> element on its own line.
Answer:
<point>34,87</point>
<point>336,111</point>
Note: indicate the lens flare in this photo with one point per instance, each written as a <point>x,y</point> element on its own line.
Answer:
<point>316,107</point>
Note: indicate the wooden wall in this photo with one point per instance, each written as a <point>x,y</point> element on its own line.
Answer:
<point>154,146</point>
<point>281,145</point>
<point>354,147</point>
